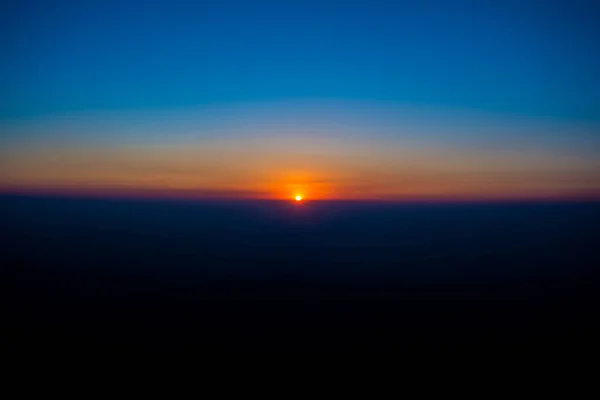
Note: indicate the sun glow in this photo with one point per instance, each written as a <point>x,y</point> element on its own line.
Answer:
<point>298,198</point>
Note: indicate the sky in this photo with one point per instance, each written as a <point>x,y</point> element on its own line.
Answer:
<point>327,99</point>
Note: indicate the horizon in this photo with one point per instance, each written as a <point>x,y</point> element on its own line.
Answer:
<point>174,197</point>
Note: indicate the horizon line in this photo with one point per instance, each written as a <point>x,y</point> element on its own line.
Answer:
<point>216,197</point>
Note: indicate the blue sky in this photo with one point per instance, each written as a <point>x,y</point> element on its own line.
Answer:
<point>345,99</point>
<point>537,58</point>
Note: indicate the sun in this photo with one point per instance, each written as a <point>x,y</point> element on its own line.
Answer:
<point>298,198</point>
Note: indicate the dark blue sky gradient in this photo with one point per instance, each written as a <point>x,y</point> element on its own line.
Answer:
<point>534,58</point>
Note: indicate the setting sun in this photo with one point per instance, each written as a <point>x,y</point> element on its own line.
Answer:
<point>298,198</point>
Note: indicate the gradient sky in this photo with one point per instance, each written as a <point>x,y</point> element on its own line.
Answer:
<point>331,99</point>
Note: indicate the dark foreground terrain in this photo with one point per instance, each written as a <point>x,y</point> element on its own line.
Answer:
<point>276,275</point>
